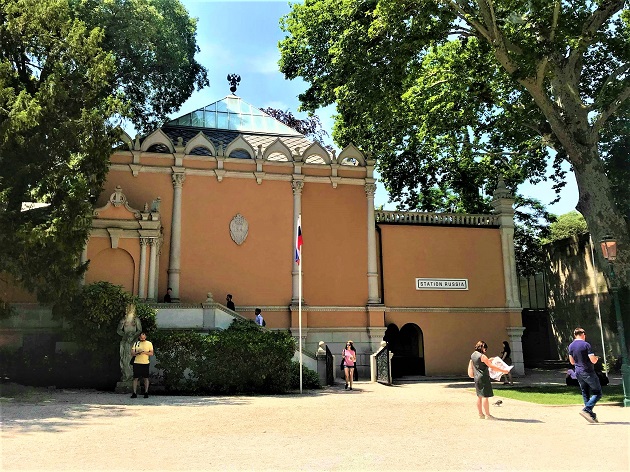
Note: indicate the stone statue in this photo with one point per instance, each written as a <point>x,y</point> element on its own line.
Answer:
<point>129,328</point>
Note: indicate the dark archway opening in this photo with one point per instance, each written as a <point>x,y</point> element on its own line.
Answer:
<point>407,345</point>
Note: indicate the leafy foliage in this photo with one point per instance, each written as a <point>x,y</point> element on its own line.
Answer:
<point>178,352</point>
<point>447,95</point>
<point>569,224</point>
<point>310,379</point>
<point>70,71</point>
<point>240,359</point>
<point>93,315</point>
<point>532,226</point>
<point>311,127</point>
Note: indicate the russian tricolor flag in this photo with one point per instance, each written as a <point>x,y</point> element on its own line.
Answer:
<point>298,240</point>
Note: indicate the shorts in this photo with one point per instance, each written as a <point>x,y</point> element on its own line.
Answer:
<point>141,370</point>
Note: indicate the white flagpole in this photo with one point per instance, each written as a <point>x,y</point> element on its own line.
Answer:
<point>300,306</point>
<point>599,312</point>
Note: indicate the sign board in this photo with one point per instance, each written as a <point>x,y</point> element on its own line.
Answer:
<point>441,284</point>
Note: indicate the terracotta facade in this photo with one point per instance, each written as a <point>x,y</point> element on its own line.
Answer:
<point>177,203</point>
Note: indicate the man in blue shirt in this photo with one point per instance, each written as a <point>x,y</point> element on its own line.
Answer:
<point>582,357</point>
<point>260,321</point>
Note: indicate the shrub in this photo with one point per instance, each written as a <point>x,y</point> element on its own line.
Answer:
<point>40,367</point>
<point>240,359</point>
<point>176,352</point>
<point>92,317</point>
<point>245,358</point>
<point>310,378</point>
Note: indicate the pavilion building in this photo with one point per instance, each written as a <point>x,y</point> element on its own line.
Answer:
<point>208,205</point>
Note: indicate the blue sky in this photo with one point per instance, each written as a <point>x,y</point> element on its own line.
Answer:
<point>242,37</point>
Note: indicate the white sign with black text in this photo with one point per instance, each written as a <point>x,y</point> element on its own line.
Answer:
<point>441,284</point>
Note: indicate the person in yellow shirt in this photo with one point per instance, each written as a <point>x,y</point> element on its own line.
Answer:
<point>142,350</point>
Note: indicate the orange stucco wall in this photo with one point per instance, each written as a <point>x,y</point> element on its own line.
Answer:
<point>199,163</point>
<point>410,252</point>
<point>256,272</point>
<point>121,158</point>
<point>118,266</point>
<point>449,338</point>
<point>12,292</point>
<point>334,222</point>
<point>336,319</point>
<point>140,190</point>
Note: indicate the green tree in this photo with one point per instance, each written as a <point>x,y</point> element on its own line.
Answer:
<point>70,71</point>
<point>447,94</point>
<point>94,312</point>
<point>569,224</point>
<point>531,228</point>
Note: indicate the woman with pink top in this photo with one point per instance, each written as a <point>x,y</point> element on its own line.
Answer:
<point>349,358</point>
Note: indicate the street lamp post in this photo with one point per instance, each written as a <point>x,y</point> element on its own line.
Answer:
<point>609,251</point>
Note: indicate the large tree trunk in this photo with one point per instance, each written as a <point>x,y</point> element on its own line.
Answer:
<point>603,218</point>
<point>598,208</point>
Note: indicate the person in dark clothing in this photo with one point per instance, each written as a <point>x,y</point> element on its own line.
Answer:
<point>229,303</point>
<point>167,297</point>
<point>506,356</point>
<point>483,387</point>
<point>582,357</point>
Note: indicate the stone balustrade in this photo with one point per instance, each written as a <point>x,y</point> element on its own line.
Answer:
<point>416,217</point>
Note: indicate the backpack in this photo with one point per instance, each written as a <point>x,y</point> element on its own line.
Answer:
<point>471,369</point>
<point>264,322</point>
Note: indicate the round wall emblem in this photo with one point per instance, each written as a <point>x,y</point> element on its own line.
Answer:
<point>238,229</point>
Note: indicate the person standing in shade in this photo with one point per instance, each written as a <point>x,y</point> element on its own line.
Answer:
<point>260,321</point>
<point>581,356</point>
<point>142,350</point>
<point>167,297</point>
<point>506,356</point>
<point>481,363</point>
<point>229,303</point>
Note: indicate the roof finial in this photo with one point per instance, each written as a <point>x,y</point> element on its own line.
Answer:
<point>234,80</point>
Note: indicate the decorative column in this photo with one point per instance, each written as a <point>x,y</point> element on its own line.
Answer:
<point>372,272</point>
<point>142,276</point>
<point>297,185</point>
<point>153,242</point>
<point>178,177</point>
<point>502,203</point>
<point>515,333</point>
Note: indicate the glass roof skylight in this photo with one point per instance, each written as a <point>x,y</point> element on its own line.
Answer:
<point>233,113</point>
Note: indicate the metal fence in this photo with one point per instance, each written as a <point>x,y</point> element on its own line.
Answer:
<point>383,366</point>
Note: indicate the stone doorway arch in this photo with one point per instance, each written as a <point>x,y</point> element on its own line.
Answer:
<point>407,344</point>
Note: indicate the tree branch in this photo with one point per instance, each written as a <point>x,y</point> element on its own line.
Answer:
<point>611,78</point>
<point>542,65</point>
<point>612,107</point>
<point>554,21</point>
<point>467,16</point>
<point>604,12</point>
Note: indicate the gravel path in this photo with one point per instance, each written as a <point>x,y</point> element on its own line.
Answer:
<point>417,426</point>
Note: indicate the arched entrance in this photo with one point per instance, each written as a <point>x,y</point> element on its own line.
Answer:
<point>407,344</point>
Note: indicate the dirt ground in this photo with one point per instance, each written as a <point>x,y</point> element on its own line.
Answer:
<point>414,426</point>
